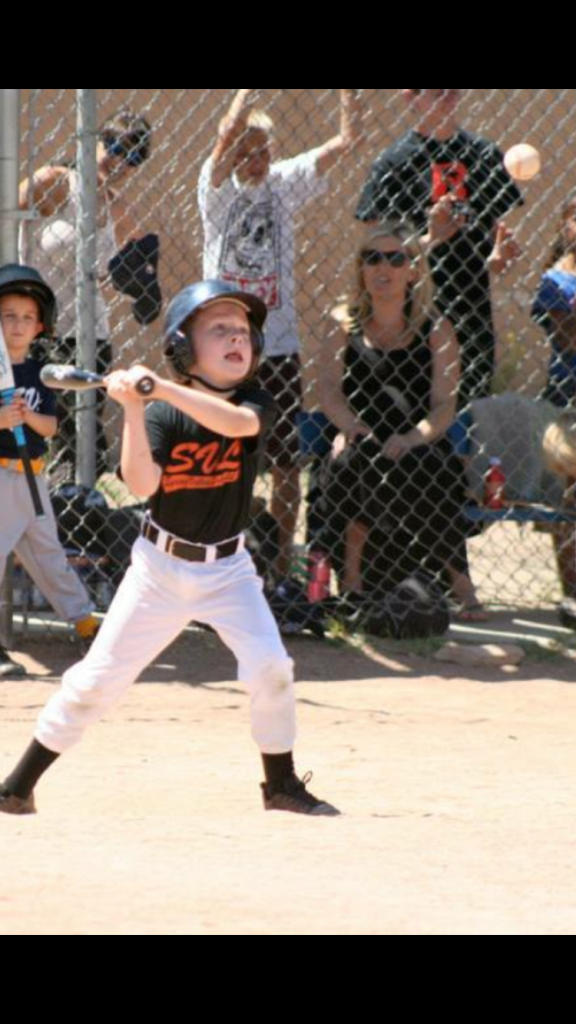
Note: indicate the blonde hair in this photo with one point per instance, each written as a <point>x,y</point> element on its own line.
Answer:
<point>419,305</point>
<point>560,248</point>
<point>559,445</point>
<point>261,121</point>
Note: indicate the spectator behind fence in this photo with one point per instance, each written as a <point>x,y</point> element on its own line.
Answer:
<point>536,445</point>
<point>555,308</point>
<point>395,490</point>
<point>453,185</point>
<point>50,245</point>
<point>248,201</point>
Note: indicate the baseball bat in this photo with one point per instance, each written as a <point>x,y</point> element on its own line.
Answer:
<point>71,378</point>
<point>7,393</point>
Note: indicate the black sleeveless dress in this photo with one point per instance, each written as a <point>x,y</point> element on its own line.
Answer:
<point>413,507</point>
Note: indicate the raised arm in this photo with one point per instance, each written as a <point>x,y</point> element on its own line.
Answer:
<point>349,137</point>
<point>47,191</point>
<point>231,128</point>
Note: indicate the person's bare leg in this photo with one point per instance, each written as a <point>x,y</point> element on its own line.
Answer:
<point>471,608</point>
<point>565,546</point>
<point>285,507</point>
<point>356,536</point>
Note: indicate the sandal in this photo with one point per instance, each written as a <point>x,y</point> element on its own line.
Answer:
<point>472,611</point>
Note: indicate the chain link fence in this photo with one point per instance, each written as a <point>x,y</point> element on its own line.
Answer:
<point>369,476</point>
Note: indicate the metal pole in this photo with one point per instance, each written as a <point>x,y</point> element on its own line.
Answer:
<point>86,127</point>
<point>9,140</point>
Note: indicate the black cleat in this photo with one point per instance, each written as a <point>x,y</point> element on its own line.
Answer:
<point>10,804</point>
<point>10,669</point>
<point>293,796</point>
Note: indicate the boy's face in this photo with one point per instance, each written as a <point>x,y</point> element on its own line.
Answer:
<point>21,323</point>
<point>434,108</point>
<point>253,157</point>
<point>222,344</point>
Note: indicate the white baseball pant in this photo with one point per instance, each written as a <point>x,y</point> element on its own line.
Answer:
<point>158,597</point>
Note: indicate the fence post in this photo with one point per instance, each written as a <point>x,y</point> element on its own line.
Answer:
<point>9,140</point>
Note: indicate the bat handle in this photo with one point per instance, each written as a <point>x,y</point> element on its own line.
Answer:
<point>20,437</point>
<point>145,386</point>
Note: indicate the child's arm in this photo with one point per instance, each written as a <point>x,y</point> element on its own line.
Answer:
<point>18,414</point>
<point>230,131</point>
<point>350,136</point>
<point>45,426</point>
<point>210,411</point>
<point>141,474</point>
<point>139,471</point>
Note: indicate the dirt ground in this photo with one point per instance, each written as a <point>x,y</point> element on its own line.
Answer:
<point>458,799</point>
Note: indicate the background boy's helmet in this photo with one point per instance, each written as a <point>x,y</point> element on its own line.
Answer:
<point>17,279</point>
<point>179,346</point>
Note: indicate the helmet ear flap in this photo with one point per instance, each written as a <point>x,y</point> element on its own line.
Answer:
<point>179,355</point>
<point>257,340</point>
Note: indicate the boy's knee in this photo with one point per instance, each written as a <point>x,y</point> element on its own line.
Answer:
<point>276,674</point>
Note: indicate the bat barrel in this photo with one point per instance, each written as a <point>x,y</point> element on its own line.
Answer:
<point>71,378</point>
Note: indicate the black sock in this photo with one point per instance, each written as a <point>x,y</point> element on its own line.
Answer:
<point>278,767</point>
<point>36,760</point>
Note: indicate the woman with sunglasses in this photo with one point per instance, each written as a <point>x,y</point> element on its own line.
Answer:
<point>49,245</point>
<point>395,490</point>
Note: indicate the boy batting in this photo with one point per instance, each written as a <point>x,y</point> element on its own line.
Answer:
<point>194,454</point>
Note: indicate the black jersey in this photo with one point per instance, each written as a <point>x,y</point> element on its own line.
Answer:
<point>207,480</point>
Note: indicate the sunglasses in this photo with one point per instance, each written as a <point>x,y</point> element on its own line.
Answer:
<point>129,154</point>
<point>373,257</point>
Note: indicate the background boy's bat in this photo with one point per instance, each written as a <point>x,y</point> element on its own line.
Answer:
<point>7,393</point>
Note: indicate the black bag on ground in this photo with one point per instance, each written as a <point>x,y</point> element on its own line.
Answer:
<point>413,610</point>
<point>293,611</point>
<point>567,613</point>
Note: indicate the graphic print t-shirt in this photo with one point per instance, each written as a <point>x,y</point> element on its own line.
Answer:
<point>207,479</point>
<point>249,238</point>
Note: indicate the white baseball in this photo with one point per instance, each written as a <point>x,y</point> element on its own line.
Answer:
<point>522,161</point>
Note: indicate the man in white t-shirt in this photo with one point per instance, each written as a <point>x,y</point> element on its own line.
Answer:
<point>248,204</point>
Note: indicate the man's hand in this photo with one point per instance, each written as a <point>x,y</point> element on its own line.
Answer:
<point>506,250</point>
<point>444,220</point>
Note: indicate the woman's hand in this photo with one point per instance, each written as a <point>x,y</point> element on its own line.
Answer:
<point>348,437</point>
<point>398,445</point>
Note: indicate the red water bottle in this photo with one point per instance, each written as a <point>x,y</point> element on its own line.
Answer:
<point>494,485</point>
<point>318,576</point>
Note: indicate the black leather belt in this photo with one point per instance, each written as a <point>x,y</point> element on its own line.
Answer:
<point>190,552</point>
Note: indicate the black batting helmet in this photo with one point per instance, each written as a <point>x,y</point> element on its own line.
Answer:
<point>179,347</point>
<point>16,279</point>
